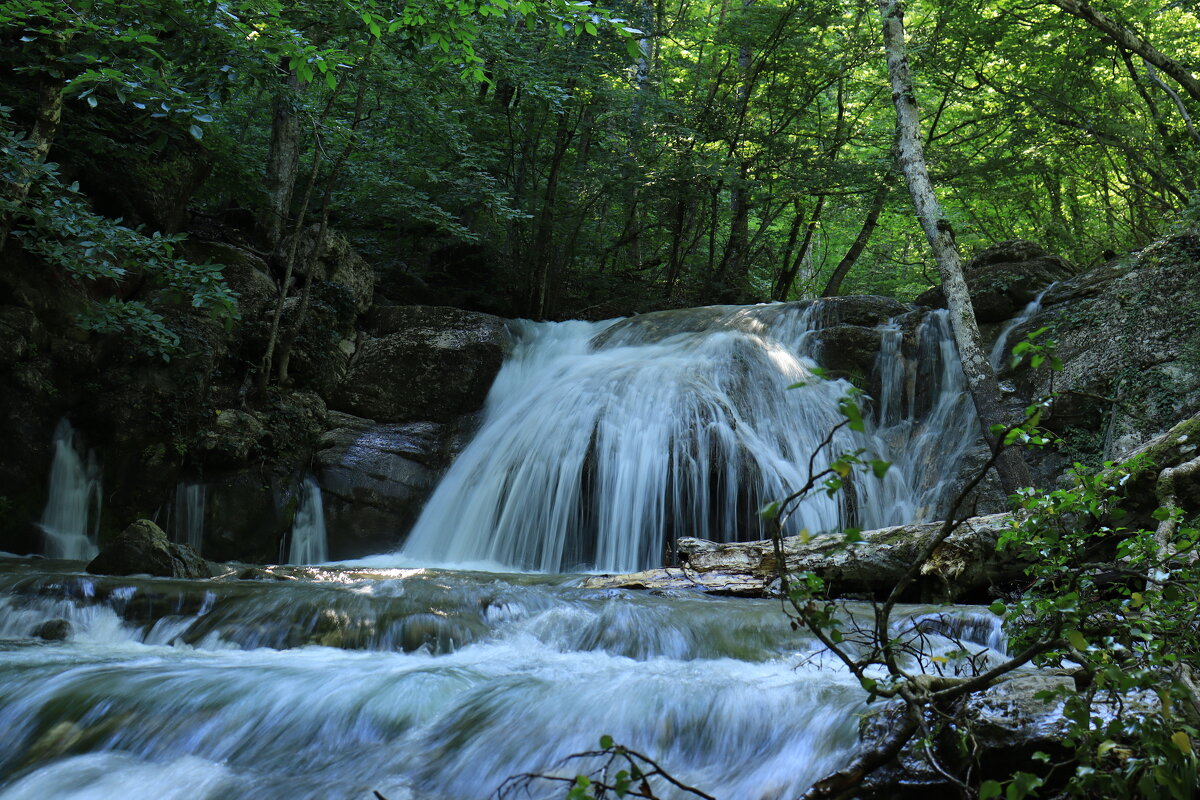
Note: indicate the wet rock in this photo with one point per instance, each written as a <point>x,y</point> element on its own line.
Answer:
<point>1004,278</point>
<point>53,630</point>
<point>848,351</point>
<point>423,363</point>
<point>866,310</point>
<point>963,566</point>
<point>375,477</point>
<point>143,548</point>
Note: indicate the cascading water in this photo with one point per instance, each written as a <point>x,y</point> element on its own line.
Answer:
<point>308,543</point>
<point>71,518</point>
<point>1000,348</point>
<point>187,523</point>
<point>603,442</point>
<point>413,683</point>
<point>927,431</point>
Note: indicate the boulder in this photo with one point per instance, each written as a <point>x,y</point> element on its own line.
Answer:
<point>375,478</point>
<point>1004,278</point>
<point>423,363</point>
<point>143,548</point>
<point>53,630</point>
<point>232,437</point>
<point>1130,349</point>
<point>848,351</point>
<point>244,271</point>
<point>962,568</point>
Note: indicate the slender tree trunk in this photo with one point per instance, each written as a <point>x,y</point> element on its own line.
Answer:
<point>283,160</point>
<point>1129,40</point>
<point>980,379</point>
<point>542,256</point>
<point>787,278</point>
<point>48,92</point>
<point>834,287</point>
<point>318,249</point>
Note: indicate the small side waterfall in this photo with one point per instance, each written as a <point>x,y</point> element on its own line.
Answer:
<point>603,442</point>
<point>930,430</point>
<point>1000,348</point>
<point>71,519</point>
<point>308,529</point>
<point>187,523</point>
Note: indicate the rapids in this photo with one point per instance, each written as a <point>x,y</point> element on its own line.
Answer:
<point>415,683</point>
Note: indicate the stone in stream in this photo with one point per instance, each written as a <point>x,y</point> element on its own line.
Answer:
<point>53,630</point>
<point>963,567</point>
<point>143,548</point>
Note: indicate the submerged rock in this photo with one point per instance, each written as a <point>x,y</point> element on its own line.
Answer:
<point>143,548</point>
<point>962,567</point>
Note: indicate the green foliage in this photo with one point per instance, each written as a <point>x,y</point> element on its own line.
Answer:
<point>54,223</point>
<point>1126,602</point>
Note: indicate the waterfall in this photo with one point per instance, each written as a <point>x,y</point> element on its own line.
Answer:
<point>603,442</point>
<point>308,529</point>
<point>1000,348</point>
<point>927,443</point>
<point>71,519</point>
<point>188,519</point>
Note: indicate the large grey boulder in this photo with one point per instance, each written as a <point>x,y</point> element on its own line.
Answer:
<point>143,548</point>
<point>1130,346</point>
<point>1004,278</point>
<point>375,477</point>
<point>963,566</point>
<point>423,363</point>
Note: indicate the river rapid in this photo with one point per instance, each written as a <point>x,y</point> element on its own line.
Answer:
<point>416,683</point>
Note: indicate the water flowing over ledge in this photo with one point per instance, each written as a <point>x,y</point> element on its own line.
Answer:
<point>604,442</point>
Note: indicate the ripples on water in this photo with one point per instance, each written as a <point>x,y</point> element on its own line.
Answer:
<point>331,683</point>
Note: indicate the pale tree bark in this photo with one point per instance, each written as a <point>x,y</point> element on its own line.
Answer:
<point>981,380</point>
<point>1127,39</point>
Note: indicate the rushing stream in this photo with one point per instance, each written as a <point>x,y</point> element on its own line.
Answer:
<point>600,443</point>
<point>414,683</point>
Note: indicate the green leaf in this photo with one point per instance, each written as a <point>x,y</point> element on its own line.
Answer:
<point>196,132</point>
<point>770,510</point>
<point>606,742</point>
<point>1077,640</point>
<point>998,608</point>
<point>989,789</point>
<point>880,468</point>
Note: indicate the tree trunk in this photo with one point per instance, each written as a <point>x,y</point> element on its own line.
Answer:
<point>787,278</point>
<point>283,161</point>
<point>1128,40</point>
<point>834,287</point>
<point>980,379</point>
